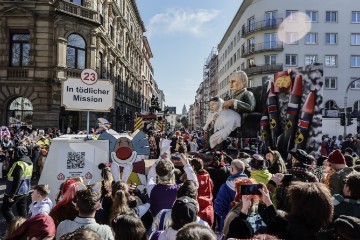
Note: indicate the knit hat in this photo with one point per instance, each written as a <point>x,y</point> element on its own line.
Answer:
<point>336,157</point>
<point>258,162</point>
<point>184,208</point>
<point>300,155</point>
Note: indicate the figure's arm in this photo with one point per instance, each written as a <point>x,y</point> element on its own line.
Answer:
<point>190,174</point>
<point>247,105</point>
<point>151,179</point>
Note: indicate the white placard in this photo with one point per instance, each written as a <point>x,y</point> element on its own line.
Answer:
<point>89,76</point>
<point>79,96</point>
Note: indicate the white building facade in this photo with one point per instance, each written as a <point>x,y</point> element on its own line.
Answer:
<point>251,43</point>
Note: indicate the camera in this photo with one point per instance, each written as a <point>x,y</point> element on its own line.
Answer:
<point>287,178</point>
<point>250,189</point>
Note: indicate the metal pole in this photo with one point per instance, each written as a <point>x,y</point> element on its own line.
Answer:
<point>87,123</point>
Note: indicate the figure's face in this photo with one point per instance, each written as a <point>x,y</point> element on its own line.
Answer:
<point>213,106</point>
<point>236,84</point>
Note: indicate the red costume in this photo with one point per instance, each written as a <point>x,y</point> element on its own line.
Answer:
<point>205,197</point>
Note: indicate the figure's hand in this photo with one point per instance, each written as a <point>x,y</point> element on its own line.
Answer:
<point>277,178</point>
<point>227,104</point>
<point>246,203</point>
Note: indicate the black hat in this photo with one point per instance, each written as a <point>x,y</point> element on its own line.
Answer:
<point>184,208</point>
<point>347,227</point>
<point>21,152</point>
<point>300,155</point>
<point>258,162</point>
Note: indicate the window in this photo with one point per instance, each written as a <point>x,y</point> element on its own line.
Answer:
<point>20,112</point>
<point>251,24</point>
<point>291,59</point>
<point>357,106</point>
<point>355,85</point>
<point>355,39</point>
<point>311,38</point>
<point>242,66</point>
<point>270,40</point>
<point>77,2</point>
<point>251,44</point>
<point>292,38</point>
<point>355,61</point>
<point>251,62</point>
<point>270,59</point>
<point>291,16</point>
<point>75,52</point>
<point>101,12</point>
<point>310,59</point>
<point>330,61</point>
<point>355,17</point>
<point>101,64</point>
<point>331,38</point>
<point>111,30</point>
<point>330,82</point>
<point>270,18</point>
<point>312,16</point>
<point>331,105</point>
<point>331,16</point>
<point>20,48</point>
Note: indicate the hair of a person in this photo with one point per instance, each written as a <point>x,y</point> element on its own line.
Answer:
<point>42,189</point>
<point>120,195</point>
<point>165,170</point>
<point>197,164</point>
<point>14,225</point>
<point>238,165</point>
<point>242,76</point>
<point>87,201</point>
<point>214,99</point>
<point>195,231</point>
<point>264,236</point>
<point>349,160</point>
<point>81,233</point>
<point>302,197</point>
<point>189,189</point>
<point>278,159</point>
<point>353,182</point>
<point>67,196</point>
<point>177,174</point>
<point>128,226</point>
<point>238,182</point>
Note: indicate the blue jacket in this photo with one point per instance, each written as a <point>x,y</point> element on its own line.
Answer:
<point>225,196</point>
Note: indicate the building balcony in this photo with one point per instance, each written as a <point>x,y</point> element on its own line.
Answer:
<point>261,47</point>
<point>260,26</point>
<point>17,73</point>
<point>82,12</point>
<point>262,69</point>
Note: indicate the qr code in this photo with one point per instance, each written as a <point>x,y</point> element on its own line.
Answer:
<point>75,160</point>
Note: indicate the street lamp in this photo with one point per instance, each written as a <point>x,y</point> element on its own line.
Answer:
<point>345,101</point>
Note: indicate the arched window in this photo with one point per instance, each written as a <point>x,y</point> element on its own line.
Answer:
<point>75,52</point>
<point>331,105</point>
<point>357,106</point>
<point>20,112</point>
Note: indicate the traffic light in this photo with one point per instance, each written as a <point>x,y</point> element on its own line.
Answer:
<point>349,119</point>
<point>342,119</point>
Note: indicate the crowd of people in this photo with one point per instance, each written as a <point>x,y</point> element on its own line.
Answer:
<point>248,196</point>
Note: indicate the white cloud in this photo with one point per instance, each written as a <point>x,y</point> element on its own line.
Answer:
<point>177,20</point>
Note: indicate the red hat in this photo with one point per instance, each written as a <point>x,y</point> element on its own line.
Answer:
<point>336,157</point>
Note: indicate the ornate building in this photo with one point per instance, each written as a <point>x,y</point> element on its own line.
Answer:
<point>44,42</point>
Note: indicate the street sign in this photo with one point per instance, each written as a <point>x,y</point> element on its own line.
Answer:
<point>89,76</point>
<point>79,96</point>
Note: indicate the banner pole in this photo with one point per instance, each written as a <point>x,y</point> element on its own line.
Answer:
<point>87,123</point>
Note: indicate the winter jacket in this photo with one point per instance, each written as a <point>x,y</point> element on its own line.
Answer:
<point>337,180</point>
<point>226,195</point>
<point>43,207</point>
<point>261,176</point>
<point>218,175</point>
<point>19,177</point>
<point>168,234</point>
<point>39,226</point>
<point>64,212</point>
<point>205,197</point>
<point>346,206</point>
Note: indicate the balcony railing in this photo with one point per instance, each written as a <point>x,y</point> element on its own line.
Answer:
<point>262,47</point>
<point>17,73</point>
<point>259,26</point>
<point>83,12</point>
<point>267,68</point>
<point>73,73</point>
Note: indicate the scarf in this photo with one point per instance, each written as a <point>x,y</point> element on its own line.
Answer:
<point>337,199</point>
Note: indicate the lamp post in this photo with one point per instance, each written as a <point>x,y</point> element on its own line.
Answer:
<point>345,102</point>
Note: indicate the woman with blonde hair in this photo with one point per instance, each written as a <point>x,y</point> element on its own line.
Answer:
<point>276,162</point>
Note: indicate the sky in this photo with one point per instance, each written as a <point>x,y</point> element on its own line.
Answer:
<point>182,34</point>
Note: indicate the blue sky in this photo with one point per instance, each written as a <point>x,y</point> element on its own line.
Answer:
<point>181,34</point>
